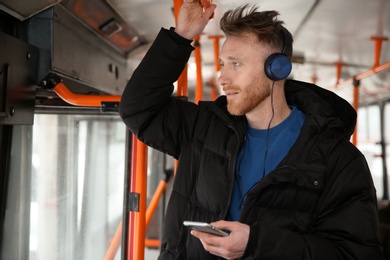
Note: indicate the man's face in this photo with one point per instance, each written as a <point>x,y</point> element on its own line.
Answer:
<point>242,73</point>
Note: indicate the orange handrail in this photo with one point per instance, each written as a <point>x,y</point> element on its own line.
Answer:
<point>138,183</point>
<point>139,220</point>
<point>115,243</point>
<point>378,48</point>
<point>176,8</point>
<point>355,104</point>
<point>154,243</point>
<point>141,187</point>
<point>217,66</point>
<point>215,39</point>
<point>376,68</point>
<point>154,201</point>
<point>206,4</point>
<point>82,100</point>
<point>131,233</point>
<point>182,82</point>
<point>199,78</point>
<point>365,74</point>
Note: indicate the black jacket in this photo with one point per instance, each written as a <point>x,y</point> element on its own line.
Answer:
<point>319,202</point>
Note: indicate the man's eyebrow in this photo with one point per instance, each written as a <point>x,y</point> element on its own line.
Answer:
<point>229,58</point>
<point>232,58</point>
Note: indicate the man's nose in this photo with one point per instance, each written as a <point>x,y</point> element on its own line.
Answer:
<point>222,79</point>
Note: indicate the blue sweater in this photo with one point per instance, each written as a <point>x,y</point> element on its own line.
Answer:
<point>256,150</point>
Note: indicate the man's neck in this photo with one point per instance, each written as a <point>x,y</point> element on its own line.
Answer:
<point>278,111</point>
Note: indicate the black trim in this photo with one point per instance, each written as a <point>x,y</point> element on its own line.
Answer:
<point>5,155</point>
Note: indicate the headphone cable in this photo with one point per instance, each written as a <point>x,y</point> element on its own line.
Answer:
<point>265,154</point>
<point>269,125</point>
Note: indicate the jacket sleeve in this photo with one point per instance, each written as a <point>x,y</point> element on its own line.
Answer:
<point>345,225</point>
<point>147,106</point>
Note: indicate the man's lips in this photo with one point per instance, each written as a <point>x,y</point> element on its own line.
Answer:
<point>231,93</point>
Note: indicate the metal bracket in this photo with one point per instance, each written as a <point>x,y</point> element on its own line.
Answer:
<point>50,81</point>
<point>110,106</point>
<point>18,62</point>
<point>133,202</point>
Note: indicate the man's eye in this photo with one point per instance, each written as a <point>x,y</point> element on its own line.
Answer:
<point>236,64</point>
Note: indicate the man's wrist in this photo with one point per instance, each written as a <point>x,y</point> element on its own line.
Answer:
<point>178,38</point>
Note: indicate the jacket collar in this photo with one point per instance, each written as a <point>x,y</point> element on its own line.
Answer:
<point>328,109</point>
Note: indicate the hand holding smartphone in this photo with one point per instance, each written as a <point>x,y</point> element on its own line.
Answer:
<point>205,227</point>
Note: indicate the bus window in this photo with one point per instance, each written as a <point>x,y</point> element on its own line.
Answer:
<point>76,185</point>
<point>369,137</point>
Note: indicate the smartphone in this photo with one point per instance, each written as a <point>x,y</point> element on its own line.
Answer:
<point>205,227</point>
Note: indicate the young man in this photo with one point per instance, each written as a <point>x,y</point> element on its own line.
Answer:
<point>270,161</point>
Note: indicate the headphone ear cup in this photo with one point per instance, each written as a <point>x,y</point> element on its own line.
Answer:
<point>277,66</point>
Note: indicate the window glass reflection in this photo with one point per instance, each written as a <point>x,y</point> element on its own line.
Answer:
<point>369,136</point>
<point>77,185</point>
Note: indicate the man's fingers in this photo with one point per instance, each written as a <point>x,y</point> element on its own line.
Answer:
<point>208,7</point>
<point>205,3</point>
<point>222,224</point>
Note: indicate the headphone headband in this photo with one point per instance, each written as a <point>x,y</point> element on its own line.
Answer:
<point>278,66</point>
<point>284,40</point>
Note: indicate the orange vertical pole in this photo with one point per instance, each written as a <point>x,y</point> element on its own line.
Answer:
<point>131,214</point>
<point>138,180</point>
<point>378,49</point>
<point>314,79</point>
<point>215,39</point>
<point>356,84</point>
<point>182,82</point>
<point>141,184</point>
<point>339,66</point>
<point>199,78</point>
<point>217,66</point>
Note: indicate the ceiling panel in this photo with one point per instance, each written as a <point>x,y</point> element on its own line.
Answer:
<point>22,9</point>
<point>326,33</point>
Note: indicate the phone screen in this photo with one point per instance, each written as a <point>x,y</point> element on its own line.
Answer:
<point>205,227</point>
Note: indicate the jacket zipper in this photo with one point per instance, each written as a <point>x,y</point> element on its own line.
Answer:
<point>233,171</point>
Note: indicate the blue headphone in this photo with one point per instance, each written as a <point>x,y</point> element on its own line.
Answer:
<point>278,66</point>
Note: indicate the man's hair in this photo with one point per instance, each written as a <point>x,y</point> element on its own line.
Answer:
<point>265,25</point>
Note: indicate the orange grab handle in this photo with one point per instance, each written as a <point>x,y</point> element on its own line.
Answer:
<point>83,100</point>
<point>205,4</point>
<point>116,241</point>
<point>153,243</point>
<point>365,74</point>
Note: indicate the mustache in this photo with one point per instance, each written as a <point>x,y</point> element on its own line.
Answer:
<point>231,89</point>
